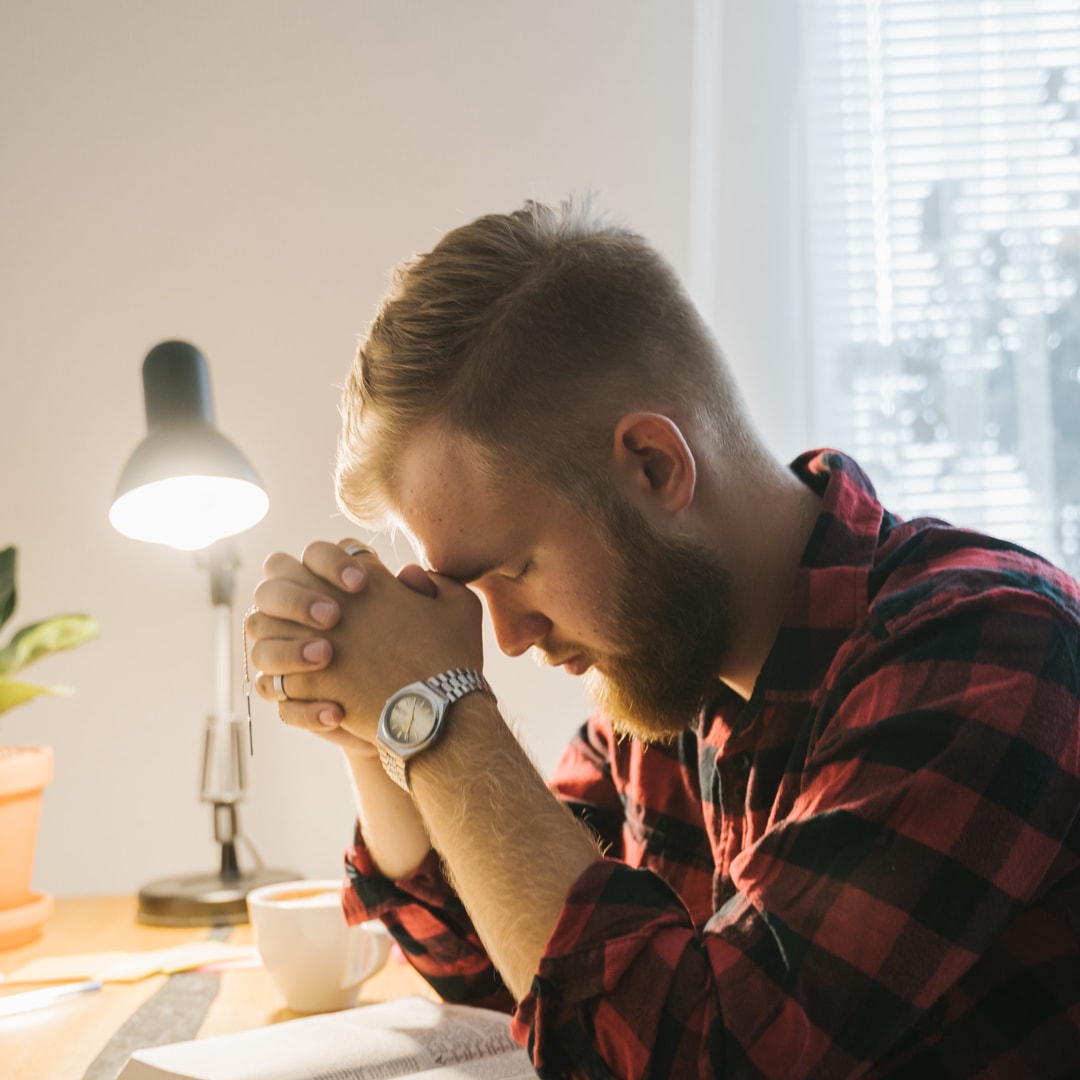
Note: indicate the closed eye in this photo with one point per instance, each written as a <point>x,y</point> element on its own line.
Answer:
<point>478,573</point>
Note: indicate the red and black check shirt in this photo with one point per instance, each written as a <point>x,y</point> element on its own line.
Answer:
<point>871,868</point>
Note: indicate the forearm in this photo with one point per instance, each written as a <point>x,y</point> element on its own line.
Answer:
<point>390,823</point>
<point>511,849</point>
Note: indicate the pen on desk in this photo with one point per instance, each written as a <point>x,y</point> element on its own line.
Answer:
<point>38,999</point>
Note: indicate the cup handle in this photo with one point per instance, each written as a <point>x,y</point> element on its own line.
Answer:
<point>369,948</point>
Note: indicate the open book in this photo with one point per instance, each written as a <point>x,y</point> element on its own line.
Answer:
<point>409,1037</point>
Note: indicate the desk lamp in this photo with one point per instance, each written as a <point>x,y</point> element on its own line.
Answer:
<point>187,486</point>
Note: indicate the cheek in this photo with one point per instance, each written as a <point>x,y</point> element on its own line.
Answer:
<point>585,611</point>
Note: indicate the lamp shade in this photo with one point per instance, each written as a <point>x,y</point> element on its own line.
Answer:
<point>185,485</point>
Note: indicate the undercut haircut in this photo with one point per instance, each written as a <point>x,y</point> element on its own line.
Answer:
<point>525,337</point>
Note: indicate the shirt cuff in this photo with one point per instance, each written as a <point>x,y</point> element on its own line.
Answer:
<point>371,894</point>
<point>611,915</point>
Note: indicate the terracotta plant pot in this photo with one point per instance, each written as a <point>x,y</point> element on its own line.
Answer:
<point>24,772</point>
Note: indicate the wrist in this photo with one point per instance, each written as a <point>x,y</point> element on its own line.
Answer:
<point>390,825</point>
<point>414,718</point>
<point>361,753</point>
<point>478,729</point>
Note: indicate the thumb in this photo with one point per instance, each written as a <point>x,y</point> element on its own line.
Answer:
<point>418,580</point>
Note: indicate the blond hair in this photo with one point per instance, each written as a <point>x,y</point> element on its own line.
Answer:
<point>526,336</point>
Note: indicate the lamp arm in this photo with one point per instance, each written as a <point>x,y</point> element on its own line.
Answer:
<point>224,776</point>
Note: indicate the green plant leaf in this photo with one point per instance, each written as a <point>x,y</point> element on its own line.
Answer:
<point>48,636</point>
<point>14,693</point>
<point>7,584</point>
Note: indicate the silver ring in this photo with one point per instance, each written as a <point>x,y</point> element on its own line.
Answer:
<point>279,689</point>
<point>357,549</point>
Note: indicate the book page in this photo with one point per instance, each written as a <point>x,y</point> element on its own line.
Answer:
<point>409,1037</point>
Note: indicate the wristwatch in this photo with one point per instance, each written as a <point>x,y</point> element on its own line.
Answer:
<point>412,718</point>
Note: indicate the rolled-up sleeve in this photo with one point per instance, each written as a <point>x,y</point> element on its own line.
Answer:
<point>428,921</point>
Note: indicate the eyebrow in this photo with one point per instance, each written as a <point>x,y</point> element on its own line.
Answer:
<point>466,576</point>
<point>473,573</point>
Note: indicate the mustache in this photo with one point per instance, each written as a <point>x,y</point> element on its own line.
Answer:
<point>552,653</point>
<point>546,655</point>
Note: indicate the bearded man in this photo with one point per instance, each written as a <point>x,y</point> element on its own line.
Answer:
<point>824,819</point>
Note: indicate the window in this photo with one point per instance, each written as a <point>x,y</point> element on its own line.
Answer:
<point>943,255</point>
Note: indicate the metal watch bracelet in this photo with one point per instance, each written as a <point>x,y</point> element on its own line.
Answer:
<point>451,685</point>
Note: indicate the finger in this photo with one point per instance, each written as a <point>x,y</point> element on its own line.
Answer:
<point>283,687</point>
<point>283,567</point>
<point>418,579</point>
<point>452,588</point>
<point>279,564</point>
<point>457,595</point>
<point>343,565</point>
<point>282,656</point>
<point>355,548</point>
<point>260,627</point>
<point>284,599</point>
<point>317,716</point>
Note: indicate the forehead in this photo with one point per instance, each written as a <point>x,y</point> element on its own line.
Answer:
<point>458,518</point>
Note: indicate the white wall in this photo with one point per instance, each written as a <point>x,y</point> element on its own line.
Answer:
<point>757,270</point>
<point>244,175</point>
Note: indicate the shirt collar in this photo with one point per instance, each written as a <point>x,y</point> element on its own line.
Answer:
<point>829,595</point>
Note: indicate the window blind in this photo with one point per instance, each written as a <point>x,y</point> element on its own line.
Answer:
<point>942,256</point>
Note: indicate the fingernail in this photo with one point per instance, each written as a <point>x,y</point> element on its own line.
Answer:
<point>352,577</point>
<point>322,611</point>
<point>327,719</point>
<point>314,652</point>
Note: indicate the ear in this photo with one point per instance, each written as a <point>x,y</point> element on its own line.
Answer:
<point>654,461</point>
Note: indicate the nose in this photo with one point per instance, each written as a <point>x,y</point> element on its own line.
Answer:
<point>517,626</point>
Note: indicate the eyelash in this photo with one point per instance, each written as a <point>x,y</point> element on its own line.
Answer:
<point>522,572</point>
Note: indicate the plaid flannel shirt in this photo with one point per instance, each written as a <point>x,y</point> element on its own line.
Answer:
<point>872,868</point>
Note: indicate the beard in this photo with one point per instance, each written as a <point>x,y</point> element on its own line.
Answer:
<point>671,624</point>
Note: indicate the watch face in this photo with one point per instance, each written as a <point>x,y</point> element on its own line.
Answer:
<point>411,719</point>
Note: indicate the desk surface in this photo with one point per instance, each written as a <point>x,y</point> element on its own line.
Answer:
<point>61,1041</point>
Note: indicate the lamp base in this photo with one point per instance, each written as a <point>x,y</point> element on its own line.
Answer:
<point>203,899</point>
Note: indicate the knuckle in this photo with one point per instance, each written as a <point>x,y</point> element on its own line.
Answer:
<point>312,551</point>
<point>263,597</point>
<point>274,561</point>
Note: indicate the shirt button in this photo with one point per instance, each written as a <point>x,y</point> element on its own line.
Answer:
<point>740,763</point>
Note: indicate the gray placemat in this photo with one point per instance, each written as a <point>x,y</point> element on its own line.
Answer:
<point>173,1014</point>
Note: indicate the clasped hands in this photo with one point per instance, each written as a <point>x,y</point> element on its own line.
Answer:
<point>344,633</point>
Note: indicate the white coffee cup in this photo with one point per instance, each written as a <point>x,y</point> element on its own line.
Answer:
<point>312,955</point>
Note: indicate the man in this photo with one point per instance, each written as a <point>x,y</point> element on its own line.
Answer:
<point>824,821</point>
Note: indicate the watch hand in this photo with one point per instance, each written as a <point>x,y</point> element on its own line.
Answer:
<point>412,717</point>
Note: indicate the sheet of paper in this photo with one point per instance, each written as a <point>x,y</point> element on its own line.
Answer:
<point>130,967</point>
<point>135,966</point>
<point>64,968</point>
<point>241,963</point>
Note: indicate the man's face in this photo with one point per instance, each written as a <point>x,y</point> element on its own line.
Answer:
<point>645,618</point>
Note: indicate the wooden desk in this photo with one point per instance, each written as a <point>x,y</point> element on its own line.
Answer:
<point>61,1041</point>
